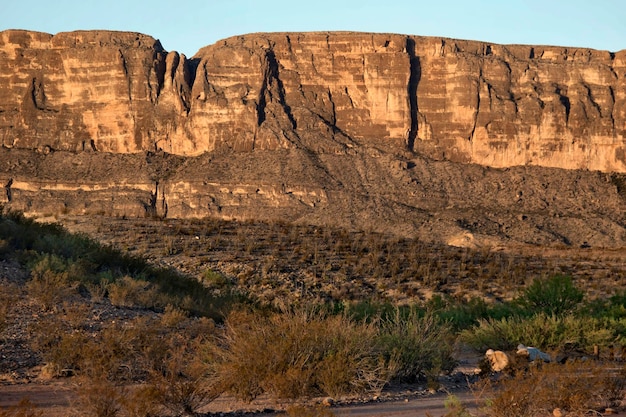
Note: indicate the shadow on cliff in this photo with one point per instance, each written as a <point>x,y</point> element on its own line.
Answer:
<point>414,79</point>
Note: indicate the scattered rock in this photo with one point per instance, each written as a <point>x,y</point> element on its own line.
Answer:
<point>328,402</point>
<point>498,360</point>
<point>532,353</point>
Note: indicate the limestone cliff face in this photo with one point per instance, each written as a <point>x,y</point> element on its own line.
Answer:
<point>522,105</point>
<point>463,101</point>
<point>78,91</point>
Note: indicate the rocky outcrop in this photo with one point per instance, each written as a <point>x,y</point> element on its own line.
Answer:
<point>465,101</point>
<point>463,142</point>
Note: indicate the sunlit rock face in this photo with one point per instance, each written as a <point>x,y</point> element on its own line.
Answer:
<point>464,101</point>
<point>461,142</point>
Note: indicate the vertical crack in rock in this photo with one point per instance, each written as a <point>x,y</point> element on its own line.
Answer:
<point>160,68</point>
<point>414,79</point>
<point>151,207</point>
<point>565,102</point>
<point>127,75</point>
<point>592,101</point>
<point>273,70</point>
<point>164,206</point>
<point>190,71</point>
<point>478,85</point>
<point>38,94</point>
<point>612,112</point>
<point>272,75</point>
<point>7,188</point>
<point>260,107</point>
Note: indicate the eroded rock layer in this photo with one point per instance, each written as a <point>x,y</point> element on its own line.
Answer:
<point>352,129</point>
<point>465,101</point>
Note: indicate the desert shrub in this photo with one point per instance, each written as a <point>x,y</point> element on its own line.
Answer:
<point>416,346</point>
<point>99,397</point>
<point>173,316</point>
<point>215,280</point>
<point>50,281</point>
<point>297,354</point>
<point>364,310</point>
<point>461,314</point>
<point>454,407</point>
<point>614,307</point>
<point>130,292</point>
<point>25,408</point>
<point>553,296</point>
<point>142,401</point>
<point>575,387</point>
<point>185,380</point>
<point>541,330</point>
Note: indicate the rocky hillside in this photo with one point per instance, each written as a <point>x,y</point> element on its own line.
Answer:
<point>463,142</point>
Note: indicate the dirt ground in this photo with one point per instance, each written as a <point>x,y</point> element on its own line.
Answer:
<point>56,399</point>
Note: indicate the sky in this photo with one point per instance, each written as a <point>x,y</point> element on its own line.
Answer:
<point>186,26</point>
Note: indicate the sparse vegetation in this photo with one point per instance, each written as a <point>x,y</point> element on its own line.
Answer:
<point>25,408</point>
<point>60,262</point>
<point>167,355</point>
<point>576,388</point>
<point>417,346</point>
<point>296,354</point>
<point>556,295</point>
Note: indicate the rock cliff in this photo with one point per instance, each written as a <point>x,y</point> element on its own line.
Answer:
<point>467,101</point>
<point>363,130</point>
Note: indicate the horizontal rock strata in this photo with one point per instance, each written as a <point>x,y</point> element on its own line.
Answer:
<point>495,105</point>
<point>450,140</point>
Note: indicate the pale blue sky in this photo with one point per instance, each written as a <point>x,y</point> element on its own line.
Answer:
<point>187,25</point>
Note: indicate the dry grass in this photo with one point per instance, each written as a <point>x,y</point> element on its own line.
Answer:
<point>577,388</point>
<point>283,264</point>
<point>24,408</point>
<point>293,355</point>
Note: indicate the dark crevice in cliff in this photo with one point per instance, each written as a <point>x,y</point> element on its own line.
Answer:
<point>38,94</point>
<point>151,208</point>
<point>191,68</point>
<point>159,70</point>
<point>480,80</point>
<point>260,107</point>
<point>414,79</point>
<point>565,102</point>
<point>592,101</point>
<point>127,74</point>
<point>7,188</point>
<point>273,68</point>
<point>272,75</point>
<point>612,93</point>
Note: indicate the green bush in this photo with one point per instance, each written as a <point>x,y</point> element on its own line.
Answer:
<point>543,331</point>
<point>462,314</point>
<point>553,296</point>
<point>416,346</point>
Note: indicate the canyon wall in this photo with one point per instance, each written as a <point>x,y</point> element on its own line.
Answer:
<point>462,142</point>
<point>464,101</point>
